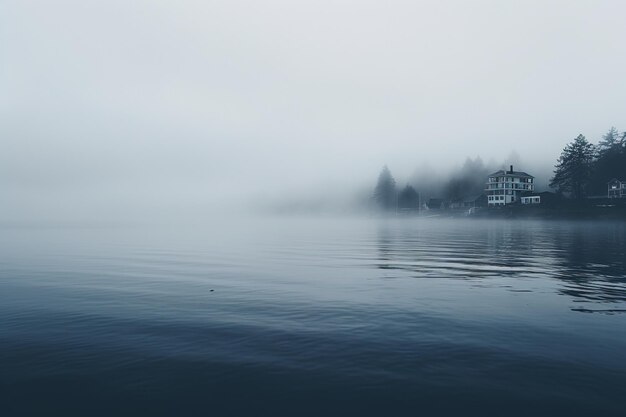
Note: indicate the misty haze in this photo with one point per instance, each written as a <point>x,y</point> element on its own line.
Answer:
<point>298,208</point>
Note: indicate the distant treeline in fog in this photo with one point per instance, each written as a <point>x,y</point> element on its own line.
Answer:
<point>583,169</point>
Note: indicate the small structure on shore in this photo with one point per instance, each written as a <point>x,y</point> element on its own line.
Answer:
<point>436,204</point>
<point>616,189</point>
<point>469,202</point>
<point>531,199</point>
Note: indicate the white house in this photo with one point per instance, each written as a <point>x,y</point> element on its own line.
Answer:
<point>616,189</point>
<point>505,187</point>
<point>533,199</point>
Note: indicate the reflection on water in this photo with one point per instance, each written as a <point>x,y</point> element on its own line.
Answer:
<point>333,317</point>
<point>588,259</point>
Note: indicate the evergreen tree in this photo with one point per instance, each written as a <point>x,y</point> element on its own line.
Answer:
<point>468,182</point>
<point>408,198</point>
<point>610,141</point>
<point>385,191</point>
<point>611,162</point>
<point>573,169</point>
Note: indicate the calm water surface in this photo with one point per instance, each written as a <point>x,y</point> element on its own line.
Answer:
<point>320,317</point>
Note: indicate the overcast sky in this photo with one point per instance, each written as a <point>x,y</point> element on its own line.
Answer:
<point>151,100</point>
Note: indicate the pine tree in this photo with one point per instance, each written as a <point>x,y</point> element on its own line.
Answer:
<point>385,191</point>
<point>467,182</point>
<point>610,141</point>
<point>611,162</point>
<point>408,198</point>
<point>573,169</point>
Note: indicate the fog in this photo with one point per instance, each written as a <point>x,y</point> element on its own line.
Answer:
<point>114,110</point>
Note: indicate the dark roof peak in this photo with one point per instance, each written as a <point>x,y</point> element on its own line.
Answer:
<point>504,173</point>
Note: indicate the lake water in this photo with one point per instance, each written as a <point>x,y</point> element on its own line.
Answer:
<point>314,317</point>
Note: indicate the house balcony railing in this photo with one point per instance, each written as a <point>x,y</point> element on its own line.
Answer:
<point>510,179</point>
<point>510,186</point>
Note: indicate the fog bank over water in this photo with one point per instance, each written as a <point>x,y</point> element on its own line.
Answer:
<point>116,110</point>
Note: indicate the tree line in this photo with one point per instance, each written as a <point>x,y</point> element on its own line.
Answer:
<point>388,198</point>
<point>584,169</point>
<point>581,170</point>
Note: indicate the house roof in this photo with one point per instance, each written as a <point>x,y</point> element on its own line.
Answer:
<point>503,173</point>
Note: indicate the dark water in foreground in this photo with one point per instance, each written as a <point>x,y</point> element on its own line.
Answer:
<point>315,318</point>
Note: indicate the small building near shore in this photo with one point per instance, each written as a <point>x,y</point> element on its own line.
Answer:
<point>531,199</point>
<point>469,202</point>
<point>436,204</point>
<point>616,189</point>
<point>545,198</point>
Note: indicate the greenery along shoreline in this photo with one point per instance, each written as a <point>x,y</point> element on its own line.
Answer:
<point>578,186</point>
